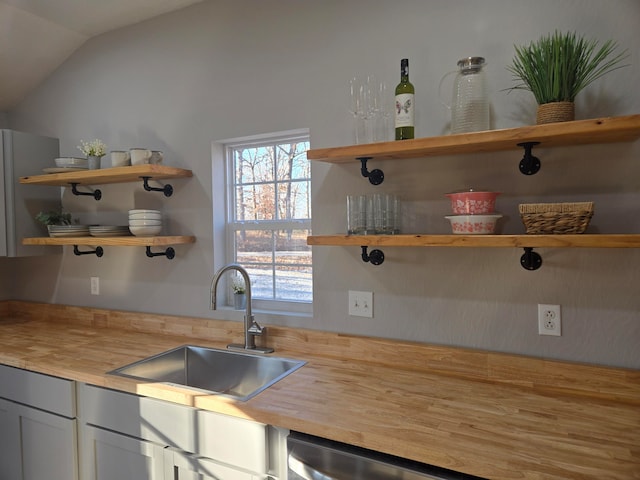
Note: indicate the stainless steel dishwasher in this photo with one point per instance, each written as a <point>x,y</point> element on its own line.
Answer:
<point>313,458</point>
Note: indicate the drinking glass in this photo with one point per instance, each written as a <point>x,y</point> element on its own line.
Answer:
<point>371,212</point>
<point>386,214</point>
<point>356,214</point>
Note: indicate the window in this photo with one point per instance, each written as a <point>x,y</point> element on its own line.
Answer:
<point>269,218</point>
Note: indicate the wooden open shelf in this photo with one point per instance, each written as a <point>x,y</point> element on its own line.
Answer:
<point>580,132</point>
<point>111,241</point>
<point>522,241</point>
<point>107,175</point>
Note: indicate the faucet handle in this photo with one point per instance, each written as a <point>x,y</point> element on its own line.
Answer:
<point>256,329</point>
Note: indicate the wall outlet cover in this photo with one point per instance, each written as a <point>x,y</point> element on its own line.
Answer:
<point>549,320</point>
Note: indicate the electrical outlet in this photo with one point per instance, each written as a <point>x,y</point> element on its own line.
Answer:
<point>549,320</point>
<point>95,285</point>
<point>361,304</point>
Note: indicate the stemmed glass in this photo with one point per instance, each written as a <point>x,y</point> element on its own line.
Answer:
<point>358,108</point>
<point>368,97</point>
<point>378,113</point>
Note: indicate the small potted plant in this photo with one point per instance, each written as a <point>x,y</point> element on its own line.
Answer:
<point>94,150</point>
<point>55,217</point>
<point>557,67</point>
<point>239,293</point>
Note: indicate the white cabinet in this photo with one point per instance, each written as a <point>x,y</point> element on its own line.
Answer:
<point>37,426</point>
<point>115,456</point>
<point>22,154</point>
<point>119,457</point>
<point>132,431</point>
<point>113,435</point>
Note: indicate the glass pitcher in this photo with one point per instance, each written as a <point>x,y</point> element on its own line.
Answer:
<point>470,102</point>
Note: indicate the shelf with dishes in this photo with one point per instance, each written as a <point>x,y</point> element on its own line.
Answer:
<point>579,132</point>
<point>84,177</point>
<point>148,224</point>
<point>115,241</point>
<point>529,260</point>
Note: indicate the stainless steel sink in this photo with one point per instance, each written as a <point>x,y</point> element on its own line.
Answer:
<point>234,374</point>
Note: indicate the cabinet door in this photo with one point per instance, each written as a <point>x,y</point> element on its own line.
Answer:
<point>110,456</point>
<point>36,444</point>
<point>10,466</point>
<point>184,466</point>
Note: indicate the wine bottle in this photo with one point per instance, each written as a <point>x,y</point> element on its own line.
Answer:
<point>404,104</point>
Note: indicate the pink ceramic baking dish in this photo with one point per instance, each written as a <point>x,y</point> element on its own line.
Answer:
<point>473,224</point>
<point>470,202</point>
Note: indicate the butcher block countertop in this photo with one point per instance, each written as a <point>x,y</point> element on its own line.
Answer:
<point>492,415</point>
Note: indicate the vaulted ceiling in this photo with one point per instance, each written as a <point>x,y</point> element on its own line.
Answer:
<point>36,36</point>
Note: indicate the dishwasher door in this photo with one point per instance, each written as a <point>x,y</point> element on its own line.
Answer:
<point>313,458</point>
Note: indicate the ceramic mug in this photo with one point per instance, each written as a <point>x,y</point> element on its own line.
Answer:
<point>120,158</point>
<point>140,156</point>
<point>156,156</point>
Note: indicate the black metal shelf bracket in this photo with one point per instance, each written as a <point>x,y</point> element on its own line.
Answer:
<point>170,253</point>
<point>376,177</point>
<point>529,165</point>
<point>167,189</point>
<point>98,252</point>
<point>530,260</point>
<point>376,257</point>
<point>97,194</point>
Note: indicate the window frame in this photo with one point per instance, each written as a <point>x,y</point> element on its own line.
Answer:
<point>276,306</point>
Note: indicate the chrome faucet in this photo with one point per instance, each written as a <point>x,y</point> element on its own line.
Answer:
<point>251,327</point>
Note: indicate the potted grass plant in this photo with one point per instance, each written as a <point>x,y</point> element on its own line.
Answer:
<point>557,67</point>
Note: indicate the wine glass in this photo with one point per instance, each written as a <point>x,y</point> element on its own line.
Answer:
<point>378,114</point>
<point>358,107</point>
<point>368,97</point>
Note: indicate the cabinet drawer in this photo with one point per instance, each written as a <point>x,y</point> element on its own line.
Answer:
<point>140,417</point>
<point>52,394</point>
<point>224,438</point>
<point>233,440</point>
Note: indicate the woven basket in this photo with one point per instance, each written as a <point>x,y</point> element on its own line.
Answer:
<point>555,112</point>
<point>556,218</point>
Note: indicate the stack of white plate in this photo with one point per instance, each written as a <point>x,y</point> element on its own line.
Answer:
<point>145,223</point>
<point>71,162</point>
<point>68,230</point>
<point>109,230</point>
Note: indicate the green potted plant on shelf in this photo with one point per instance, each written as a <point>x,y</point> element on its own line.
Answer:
<point>557,67</point>
<point>55,217</point>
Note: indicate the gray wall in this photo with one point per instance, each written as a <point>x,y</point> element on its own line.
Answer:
<point>225,69</point>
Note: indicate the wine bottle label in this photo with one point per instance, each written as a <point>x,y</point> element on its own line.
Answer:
<point>404,110</point>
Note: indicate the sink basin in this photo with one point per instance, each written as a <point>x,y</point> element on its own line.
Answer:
<point>234,374</point>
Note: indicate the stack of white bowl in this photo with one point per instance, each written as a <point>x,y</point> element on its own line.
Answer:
<point>145,223</point>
